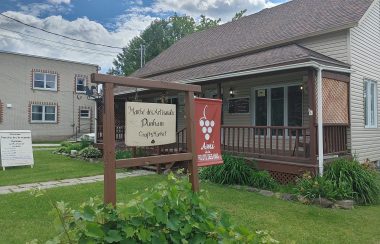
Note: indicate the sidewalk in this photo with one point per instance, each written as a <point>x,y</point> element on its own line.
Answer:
<point>68,182</point>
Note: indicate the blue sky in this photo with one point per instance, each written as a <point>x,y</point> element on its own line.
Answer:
<point>112,22</point>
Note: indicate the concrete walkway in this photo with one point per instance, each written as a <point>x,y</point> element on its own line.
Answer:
<point>68,182</point>
<point>46,145</point>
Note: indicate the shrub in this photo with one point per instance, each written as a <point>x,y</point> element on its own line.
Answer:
<point>263,180</point>
<point>123,154</point>
<point>234,171</point>
<point>168,213</point>
<point>73,146</point>
<point>360,180</point>
<point>65,143</point>
<point>90,152</point>
<point>85,143</point>
<point>316,187</point>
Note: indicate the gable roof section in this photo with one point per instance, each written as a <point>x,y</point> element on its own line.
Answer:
<point>287,22</point>
<point>279,56</point>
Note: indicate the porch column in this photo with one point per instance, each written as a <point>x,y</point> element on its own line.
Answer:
<point>320,121</point>
<point>312,117</point>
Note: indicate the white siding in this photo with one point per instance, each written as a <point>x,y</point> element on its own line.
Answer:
<point>15,83</point>
<point>333,45</point>
<point>365,57</point>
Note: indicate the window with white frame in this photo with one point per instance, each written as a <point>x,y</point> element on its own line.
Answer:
<point>278,106</point>
<point>370,104</point>
<point>44,113</point>
<point>80,84</point>
<point>85,113</point>
<point>44,81</point>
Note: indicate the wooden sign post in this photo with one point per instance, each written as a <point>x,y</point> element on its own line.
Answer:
<point>109,143</point>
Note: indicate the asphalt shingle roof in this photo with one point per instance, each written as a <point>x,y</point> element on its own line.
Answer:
<point>278,56</point>
<point>270,27</point>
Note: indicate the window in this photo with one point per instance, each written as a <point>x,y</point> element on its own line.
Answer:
<point>278,106</point>
<point>80,84</point>
<point>44,113</point>
<point>85,113</point>
<point>370,104</point>
<point>44,81</point>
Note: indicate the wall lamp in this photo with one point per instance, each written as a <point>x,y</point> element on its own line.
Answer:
<point>232,92</point>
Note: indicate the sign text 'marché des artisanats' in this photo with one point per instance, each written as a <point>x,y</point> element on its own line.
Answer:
<point>150,124</point>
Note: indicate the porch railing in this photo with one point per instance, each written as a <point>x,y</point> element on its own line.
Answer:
<point>335,139</point>
<point>272,142</point>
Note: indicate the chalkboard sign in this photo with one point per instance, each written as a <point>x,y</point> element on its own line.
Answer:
<point>238,105</point>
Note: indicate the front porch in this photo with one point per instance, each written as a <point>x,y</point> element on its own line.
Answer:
<point>270,119</point>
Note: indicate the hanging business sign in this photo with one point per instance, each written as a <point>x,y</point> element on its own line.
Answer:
<point>150,124</point>
<point>207,131</point>
<point>16,148</point>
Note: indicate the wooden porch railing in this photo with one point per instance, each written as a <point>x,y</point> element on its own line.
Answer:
<point>273,142</point>
<point>335,139</point>
<point>276,142</point>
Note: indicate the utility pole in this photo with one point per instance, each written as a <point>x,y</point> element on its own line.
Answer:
<point>142,63</point>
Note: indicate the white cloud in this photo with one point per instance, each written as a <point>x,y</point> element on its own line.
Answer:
<point>82,28</point>
<point>36,9</point>
<point>224,9</point>
<point>59,1</point>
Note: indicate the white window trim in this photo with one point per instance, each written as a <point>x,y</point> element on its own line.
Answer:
<point>269,103</point>
<point>367,83</point>
<point>43,121</point>
<point>84,85</point>
<point>45,89</point>
<point>85,117</point>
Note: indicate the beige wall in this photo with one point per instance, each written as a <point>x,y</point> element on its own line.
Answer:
<point>15,89</point>
<point>365,59</point>
<point>334,45</point>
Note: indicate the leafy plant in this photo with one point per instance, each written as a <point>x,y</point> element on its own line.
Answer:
<point>85,143</point>
<point>316,187</point>
<point>263,180</point>
<point>360,180</point>
<point>234,171</point>
<point>123,154</point>
<point>168,213</point>
<point>90,152</point>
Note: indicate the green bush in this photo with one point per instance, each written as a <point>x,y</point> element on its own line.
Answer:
<point>234,171</point>
<point>65,143</point>
<point>73,146</point>
<point>263,180</point>
<point>360,180</point>
<point>85,143</point>
<point>168,213</point>
<point>123,154</point>
<point>90,152</point>
<point>316,187</point>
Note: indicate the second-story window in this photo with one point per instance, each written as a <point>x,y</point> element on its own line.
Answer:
<point>80,84</point>
<point>44,81</point>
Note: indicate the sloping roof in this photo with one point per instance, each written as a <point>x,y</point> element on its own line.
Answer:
<point>278,25</point>
<point>49,58</point>
<point>289,54</point>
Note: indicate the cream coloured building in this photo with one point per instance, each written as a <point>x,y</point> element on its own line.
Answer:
<point>46,96</point>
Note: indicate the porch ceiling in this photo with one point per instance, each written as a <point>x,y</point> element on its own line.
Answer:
<point>274,57</point>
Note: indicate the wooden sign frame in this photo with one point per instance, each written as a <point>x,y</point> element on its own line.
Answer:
<point>109,142</point>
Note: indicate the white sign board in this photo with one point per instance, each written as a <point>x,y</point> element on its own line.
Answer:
<point>16,148</point>
<point>150,124</point>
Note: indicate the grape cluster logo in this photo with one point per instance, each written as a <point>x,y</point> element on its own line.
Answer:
<point>206,125</point>
<point>207,136</point>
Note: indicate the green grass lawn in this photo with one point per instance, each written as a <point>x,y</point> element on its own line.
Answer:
<point>24,217</point>
<point>49,166</point>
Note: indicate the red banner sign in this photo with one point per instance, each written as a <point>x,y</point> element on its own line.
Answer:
<point>207,131</point>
